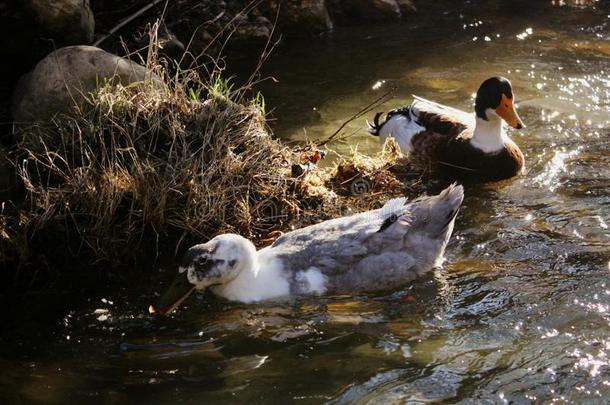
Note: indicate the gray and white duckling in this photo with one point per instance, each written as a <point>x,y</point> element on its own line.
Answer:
<point>374,250</point>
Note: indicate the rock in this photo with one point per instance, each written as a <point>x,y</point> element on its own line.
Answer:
<point>71,21</point>
<point>62,81</point>
<point>302,17</point>
<point>406,6</point>
<point>251,28</point>
<point>33,28</point>
<point>377,9</point>
<point>345,11</point>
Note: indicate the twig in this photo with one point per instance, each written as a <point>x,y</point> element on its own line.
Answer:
<point>267,50</point>
<point>247,9</point>
<point>127,20</point>
<point>379,100</point>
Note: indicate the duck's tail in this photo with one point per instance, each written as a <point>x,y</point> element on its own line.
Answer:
<point>410,112</point>
<point>442,209</point>
<point>375,127</point>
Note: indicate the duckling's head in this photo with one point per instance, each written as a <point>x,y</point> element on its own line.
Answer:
<point>495,100</point>
<point>216,262</point>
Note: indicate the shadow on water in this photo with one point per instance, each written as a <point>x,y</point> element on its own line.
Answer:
<point>520,311</point>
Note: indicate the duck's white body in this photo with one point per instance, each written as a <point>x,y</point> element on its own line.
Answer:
<point>374,250</point>
<point>263,281</point>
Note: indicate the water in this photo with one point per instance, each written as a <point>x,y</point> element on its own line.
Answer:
<point>519,314</point>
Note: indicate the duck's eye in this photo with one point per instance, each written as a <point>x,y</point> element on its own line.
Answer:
<point>202,260</point>
<point>505,105</point>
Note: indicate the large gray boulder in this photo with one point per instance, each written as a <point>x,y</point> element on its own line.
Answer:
<point>64,79</point>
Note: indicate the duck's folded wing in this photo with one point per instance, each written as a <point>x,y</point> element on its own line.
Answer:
<point>439,118</point>
<point>336,245</point>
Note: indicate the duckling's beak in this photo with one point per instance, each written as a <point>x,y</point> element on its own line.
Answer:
<point>507,111</point>
<point>175,294</point>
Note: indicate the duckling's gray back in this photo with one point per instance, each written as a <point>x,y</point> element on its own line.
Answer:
<point>373,250</point>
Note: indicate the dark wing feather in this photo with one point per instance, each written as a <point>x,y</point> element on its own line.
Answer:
<point>444,125</point>
<point>441,119</point>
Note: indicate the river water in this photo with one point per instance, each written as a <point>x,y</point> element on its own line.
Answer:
<point>520,313</point>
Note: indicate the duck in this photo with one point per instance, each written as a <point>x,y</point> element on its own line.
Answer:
<point>375,250</point>
<point>454,143</point>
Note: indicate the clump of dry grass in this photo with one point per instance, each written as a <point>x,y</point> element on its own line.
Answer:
<point>169,162</point>
<point>359,174</point>
<point>351,184</point>
<point>173,156</point>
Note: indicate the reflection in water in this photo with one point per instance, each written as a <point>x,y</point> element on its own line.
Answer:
<point>520,313</point>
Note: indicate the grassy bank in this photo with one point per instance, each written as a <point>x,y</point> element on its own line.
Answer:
<point>144,171</point>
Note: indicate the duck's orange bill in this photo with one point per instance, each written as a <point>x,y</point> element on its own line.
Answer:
<point>507,111</point>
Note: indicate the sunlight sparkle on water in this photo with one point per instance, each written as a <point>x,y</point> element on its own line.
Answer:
<point>591,363</point>
<point>554,168</point>
<point>528,31</point>
<point>378,84</point>
<point>601,221</point>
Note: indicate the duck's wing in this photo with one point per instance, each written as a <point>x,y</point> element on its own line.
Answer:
<point>337,242</point>
<point>343,251</point>
<point>374,250</point>
<point>351,226</point>
<point>423,122</point>
<point>440,118</point>
<point>447,113</point>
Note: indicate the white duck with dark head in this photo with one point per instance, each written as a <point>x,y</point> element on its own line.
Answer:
<point>375,250</point>
<point>455,143</point>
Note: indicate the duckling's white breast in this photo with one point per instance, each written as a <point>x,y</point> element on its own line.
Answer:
<point>266,282</point>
